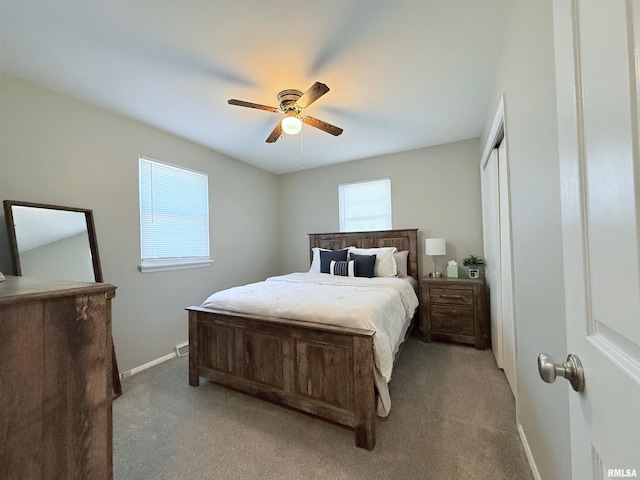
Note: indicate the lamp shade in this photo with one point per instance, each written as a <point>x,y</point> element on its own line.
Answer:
<point>435,246</point>
<point>291,125</point>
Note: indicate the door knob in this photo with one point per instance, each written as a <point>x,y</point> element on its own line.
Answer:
<point>571,370</point>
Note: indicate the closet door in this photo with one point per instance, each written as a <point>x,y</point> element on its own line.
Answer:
<point>506,276</point>
<point>491,238</point>
<point>496,222</point>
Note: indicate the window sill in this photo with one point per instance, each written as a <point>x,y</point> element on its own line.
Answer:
<point>149,266</point>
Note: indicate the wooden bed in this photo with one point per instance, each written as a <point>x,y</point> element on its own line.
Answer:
<point>321,369</point>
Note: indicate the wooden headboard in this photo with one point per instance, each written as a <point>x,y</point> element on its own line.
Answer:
<point>401,239</point>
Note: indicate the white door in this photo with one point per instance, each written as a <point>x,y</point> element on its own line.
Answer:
<point>506,277</point>
<point>491,240</point>
<point>597,79</point>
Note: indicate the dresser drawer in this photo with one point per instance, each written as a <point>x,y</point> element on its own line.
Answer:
<point>463,297</point>
<point>453,320</point>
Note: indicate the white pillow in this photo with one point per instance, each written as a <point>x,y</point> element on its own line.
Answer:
<point>385,263</point>
<point>401,262</point>
<point>315,263</point>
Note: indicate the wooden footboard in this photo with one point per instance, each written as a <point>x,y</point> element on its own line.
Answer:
<point>324,370</point>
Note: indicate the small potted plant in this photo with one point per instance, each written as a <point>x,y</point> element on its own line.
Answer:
<point>474,263</point>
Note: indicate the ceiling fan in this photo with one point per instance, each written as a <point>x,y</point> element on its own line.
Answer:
<point>292,102</point>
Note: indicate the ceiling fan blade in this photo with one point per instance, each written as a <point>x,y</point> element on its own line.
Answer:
<point>314,92</point>
<point>275,135</point>
<point>324,126</point>
<point>242,103</point>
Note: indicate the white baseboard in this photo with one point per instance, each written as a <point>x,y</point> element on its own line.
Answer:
<point>527,451</point>
<point>150,364</point>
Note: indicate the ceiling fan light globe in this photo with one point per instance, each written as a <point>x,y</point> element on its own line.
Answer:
<point>291,125</point>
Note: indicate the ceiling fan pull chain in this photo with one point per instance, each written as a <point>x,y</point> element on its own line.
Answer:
<point>301,153</point>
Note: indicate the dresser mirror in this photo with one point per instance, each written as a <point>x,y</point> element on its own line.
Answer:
<point>57,243</point>
<point>52,242</point>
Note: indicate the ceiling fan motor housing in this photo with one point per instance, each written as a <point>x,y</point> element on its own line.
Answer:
<point>288,99</point>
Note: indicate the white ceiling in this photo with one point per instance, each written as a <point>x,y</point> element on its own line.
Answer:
<point>403,74</point>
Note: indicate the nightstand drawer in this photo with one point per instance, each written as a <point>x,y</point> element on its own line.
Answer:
<point>452,297</point>
<point>453,320</point>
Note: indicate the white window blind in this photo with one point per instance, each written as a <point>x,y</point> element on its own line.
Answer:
<point>174,217</point>
<point>365,206</point>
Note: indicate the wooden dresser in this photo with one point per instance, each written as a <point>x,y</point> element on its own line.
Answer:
<point>455,310</point>
<point>55,380</point>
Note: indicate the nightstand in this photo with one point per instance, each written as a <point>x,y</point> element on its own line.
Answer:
<point>455,310</point>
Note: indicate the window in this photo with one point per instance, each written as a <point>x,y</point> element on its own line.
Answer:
<point>365,205</point>
<point>174,217</point>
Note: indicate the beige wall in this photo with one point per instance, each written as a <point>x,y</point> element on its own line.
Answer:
<point>57,150</point>
<point>436,190</point>
<point>527,79</point>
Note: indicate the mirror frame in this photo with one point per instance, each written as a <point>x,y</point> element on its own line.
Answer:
<point>95,258</point>
<point>13,242</point>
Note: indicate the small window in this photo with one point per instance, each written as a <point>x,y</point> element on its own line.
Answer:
<point>365,206</point>
<point>174,217</point>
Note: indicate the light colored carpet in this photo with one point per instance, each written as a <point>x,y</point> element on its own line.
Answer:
<point>452,417</point>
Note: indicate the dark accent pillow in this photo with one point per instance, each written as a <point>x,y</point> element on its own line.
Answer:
<point>327,255</point>
<point>364,264</point>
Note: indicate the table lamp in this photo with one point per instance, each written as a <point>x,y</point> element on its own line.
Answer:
<point>434,247</point>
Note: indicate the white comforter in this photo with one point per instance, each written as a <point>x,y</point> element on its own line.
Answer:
<point>382,304</point>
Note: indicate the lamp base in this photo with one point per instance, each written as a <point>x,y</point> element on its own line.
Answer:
<point>435,275</point>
